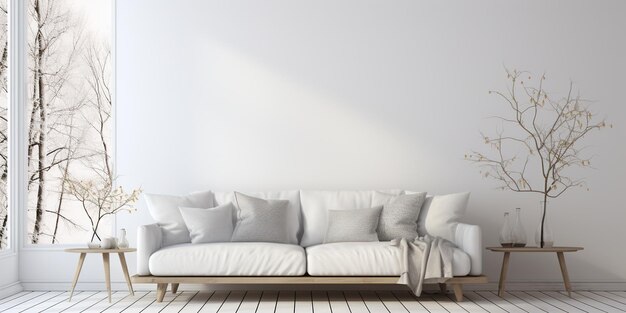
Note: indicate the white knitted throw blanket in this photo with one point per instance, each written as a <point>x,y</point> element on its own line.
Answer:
<point>425,259</point>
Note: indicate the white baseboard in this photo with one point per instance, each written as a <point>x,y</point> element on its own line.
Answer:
<point>10,289</point>
<point>121,286</point>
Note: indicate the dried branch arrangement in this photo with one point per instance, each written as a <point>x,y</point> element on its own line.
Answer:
<point>543,142</point>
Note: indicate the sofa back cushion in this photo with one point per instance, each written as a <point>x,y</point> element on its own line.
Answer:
<point>315,206</point>
<point>165,211</point>
<point>293,208</point>
<point>441,214</point>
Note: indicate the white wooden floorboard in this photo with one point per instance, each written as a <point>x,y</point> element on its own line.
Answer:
<point>303,302</point>
<point>372,301</point>
<point>483,303</point>
<point>611,296</point>
<point>562,302</point>
<point>15,296</point>
<point>95,303</point>
<point>527,307</point>
<point>355,302</point>
<point>77,298</point>
<point>430,303</point>
<point>317,302</point>
<point>447,303</point>
<point>32,296</point>
<point>124,303</point>
<point>232,302</point>
<point>250,302</point>
<point>467,304</point>
<point>536,302</point>
<point>145,301</point>
<point>594,303</point>
<point>35,302</point>
<point>159,306</point>
<point>500,302</point>
<point>285,303</point>
<point>179,302</point>
<point>197,302</point>
<point>410,302</point>
<point>391,302</point>
<point>60,297</point>
<point>320,302</point>
<point>338,302</point>
<point>268,302</point>
<point>616,304</point>
<point>215,302</point>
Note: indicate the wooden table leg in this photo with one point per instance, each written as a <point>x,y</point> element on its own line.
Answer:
<point>107,273</point>
<point>568,286</point>
<point>174,288</point>
<point>505,268</point>
<point>125,270</point>
<point>81,260</point>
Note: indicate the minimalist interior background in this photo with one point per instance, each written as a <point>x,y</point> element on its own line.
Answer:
<point>269,95</point>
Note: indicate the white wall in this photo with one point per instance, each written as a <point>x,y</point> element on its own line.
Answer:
<point>254,95</point>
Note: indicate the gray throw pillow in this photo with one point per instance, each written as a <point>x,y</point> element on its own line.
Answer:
<point>352,225</point>
<point>260,220</point>
<point>209,225</point>
<point>399,216</point>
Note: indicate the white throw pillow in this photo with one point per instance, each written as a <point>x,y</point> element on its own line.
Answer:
<point>440,215</point>
<point>293,214</point>
<point>260,220</point>
<point>315,206</point>
<point>399,216</point>
<point>164,210</point>
<point>352,225</point>
<point>209,225</point>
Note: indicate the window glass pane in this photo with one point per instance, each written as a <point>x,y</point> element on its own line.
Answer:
<point>69,121</point>
<point>4,135</point>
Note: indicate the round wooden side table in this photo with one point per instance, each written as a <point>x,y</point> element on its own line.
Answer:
<point>559,253</point>
<point>107,268</point>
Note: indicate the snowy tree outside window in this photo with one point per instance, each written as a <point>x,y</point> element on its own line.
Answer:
<point>72,196</point>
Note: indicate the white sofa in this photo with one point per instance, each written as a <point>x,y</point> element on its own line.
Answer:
<point>310,261</point>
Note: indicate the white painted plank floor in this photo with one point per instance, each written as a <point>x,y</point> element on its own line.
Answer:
<point>316,302</point>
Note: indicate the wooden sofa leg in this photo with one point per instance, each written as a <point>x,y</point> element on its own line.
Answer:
<point>161,288</point>
<point>443,288</point>
<point>174,288</point>
<point>458,292</point>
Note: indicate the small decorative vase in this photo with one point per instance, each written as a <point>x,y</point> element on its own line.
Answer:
<point>506,232</point>
<point>519,238</point>
<point>548,236</point>
<point>122,242</point>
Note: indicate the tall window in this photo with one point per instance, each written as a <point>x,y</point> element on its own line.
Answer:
<point>4,134</point>
<point>69,121</point>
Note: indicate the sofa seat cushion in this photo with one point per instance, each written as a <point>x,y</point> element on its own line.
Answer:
<point>367,259</point>
<point>229,259</point>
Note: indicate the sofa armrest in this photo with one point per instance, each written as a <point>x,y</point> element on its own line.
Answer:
<point>469,239</point>
<point>149,239</point>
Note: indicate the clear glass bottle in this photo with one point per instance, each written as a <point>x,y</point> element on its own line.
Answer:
<point>519,233</point>
<point>122,242</point>
<point>506,232</point>
<point>548,236</point>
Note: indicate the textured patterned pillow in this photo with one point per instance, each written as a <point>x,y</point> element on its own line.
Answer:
<point>209,225</point>
<point>352,225</point>
<point>399,216</point>
<point>260,220</point>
